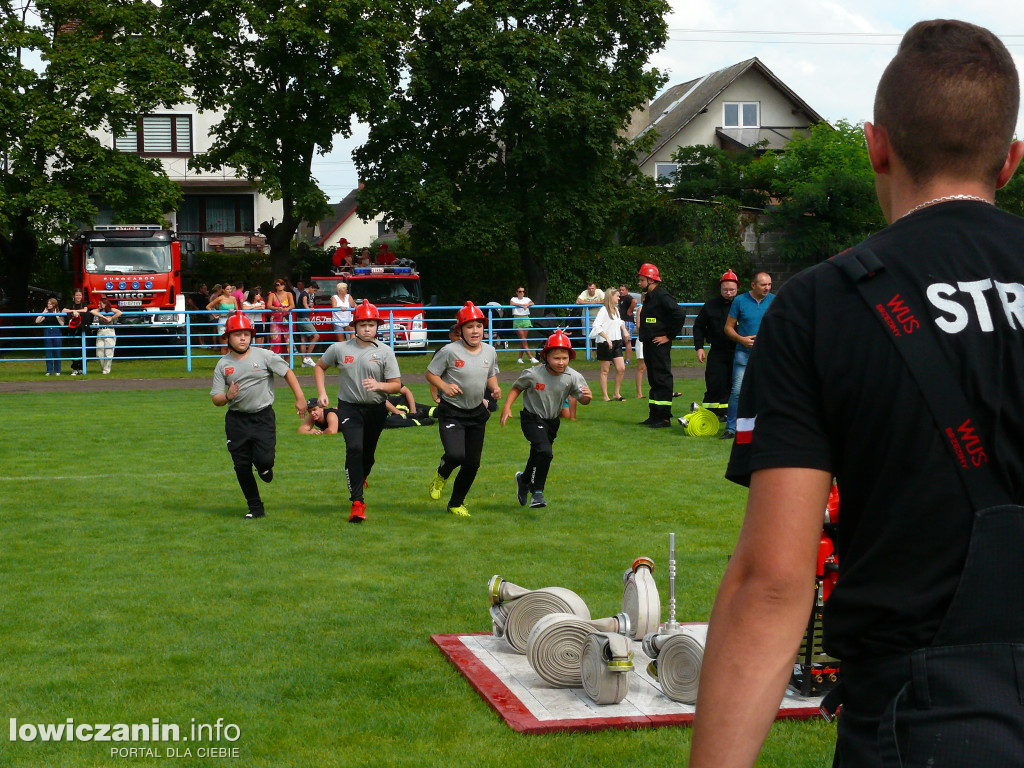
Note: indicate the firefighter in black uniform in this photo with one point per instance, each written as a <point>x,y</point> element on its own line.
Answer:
<point>710,327</point>
<point>661,319</point>
<point>898,368</point>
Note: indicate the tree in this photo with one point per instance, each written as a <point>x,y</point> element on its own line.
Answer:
<point>506,138</point>
<point>826,192</point>
<point>96,66</point>
<point>289,76</point>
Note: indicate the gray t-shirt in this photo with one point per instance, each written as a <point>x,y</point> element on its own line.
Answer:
<point>255,376</point>
<point>455,365</point>
<point>355,363</point>
<point>544,392</point>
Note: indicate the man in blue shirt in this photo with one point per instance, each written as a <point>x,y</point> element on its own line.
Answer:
<point>742,326</point>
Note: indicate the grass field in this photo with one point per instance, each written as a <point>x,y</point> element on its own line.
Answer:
<point>131,588</point>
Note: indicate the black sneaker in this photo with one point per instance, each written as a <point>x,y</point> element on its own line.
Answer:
<point>537,500</point>
<point>252,514</point>
<point>266,475</point>
<point>727,435</point>
<point>660,424</point>
<point>522,489</point>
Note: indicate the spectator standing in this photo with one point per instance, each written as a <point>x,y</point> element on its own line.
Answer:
<point>239,293</point>
<point>304,328</point>
<point>341,316</point>
<point>106,339</point>
<point>741,328</point>
<point>627,311</point>
<point>660,321</point>
<point>898,368</point>
<point>709,327</point>
<point>593,297</point>
<point>521,324</point>
<point>254,301</point>
<point>78,320</point>
<point>608,332</point>
<point>222,302</point>
<point>280,302</point>
<point>52,320</point>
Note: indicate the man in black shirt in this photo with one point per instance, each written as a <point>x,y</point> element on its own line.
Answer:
<point>709,327</point>
<point>930,639</point>
<point>661,319</point>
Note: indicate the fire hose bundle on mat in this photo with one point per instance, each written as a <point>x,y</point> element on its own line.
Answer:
<point>515,610</point>
<point>555,647</point>
<point>677,661</point>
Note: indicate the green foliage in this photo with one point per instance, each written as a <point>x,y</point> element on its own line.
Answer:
<point>106,63</point>
<point>288,75</point>
<point>711,173</point>
<point>505,138</point>
<point>1011,197</point>
<point>826,193</point>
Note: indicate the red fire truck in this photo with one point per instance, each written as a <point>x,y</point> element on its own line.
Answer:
<point>396,291</point>
<point>137,267</point>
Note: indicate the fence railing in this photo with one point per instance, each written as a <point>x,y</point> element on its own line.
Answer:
<point>191,336</point>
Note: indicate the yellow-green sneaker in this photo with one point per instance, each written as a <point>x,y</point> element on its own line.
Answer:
<point>437,486</point>
<point>459,511</point>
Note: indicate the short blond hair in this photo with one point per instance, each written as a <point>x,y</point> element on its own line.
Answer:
<point>341,286</point>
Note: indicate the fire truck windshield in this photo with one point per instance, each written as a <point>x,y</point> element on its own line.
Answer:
<point>126,258</point>
<point>386,290</point>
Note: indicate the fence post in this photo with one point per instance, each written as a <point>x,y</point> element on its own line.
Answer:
<point>188,342</point>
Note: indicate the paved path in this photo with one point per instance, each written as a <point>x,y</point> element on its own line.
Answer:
<point>96,382</point>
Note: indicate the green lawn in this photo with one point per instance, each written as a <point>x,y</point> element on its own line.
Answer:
<point>131,588</point>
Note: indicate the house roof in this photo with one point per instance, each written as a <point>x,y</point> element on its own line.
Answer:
<point>340,213</point>
<point>678,105</point>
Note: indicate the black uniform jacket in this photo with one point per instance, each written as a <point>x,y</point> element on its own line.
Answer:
<point>660,315</point>
<point>709,327</point>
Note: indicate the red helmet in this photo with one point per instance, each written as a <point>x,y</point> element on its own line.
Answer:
<point>366,311</point>
<point>558,340</point>
<point>650,272</point>
<point>237,322</point>
<point>729,275</point>
<point>468,313</point>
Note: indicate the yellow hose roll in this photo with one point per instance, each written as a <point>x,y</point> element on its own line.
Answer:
<point>700,423</point>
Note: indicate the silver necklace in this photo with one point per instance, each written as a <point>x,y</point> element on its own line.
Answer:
<point>945,199</point>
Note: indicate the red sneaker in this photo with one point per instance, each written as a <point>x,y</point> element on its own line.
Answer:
<point>358,512</point>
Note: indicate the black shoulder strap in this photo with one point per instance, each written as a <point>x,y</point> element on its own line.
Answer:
<point>915,340</point>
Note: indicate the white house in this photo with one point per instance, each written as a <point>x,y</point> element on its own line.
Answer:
<point>220,210</point>
<point>732,108</point>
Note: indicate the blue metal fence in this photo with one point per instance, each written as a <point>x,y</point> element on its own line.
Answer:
<point>191,336</point>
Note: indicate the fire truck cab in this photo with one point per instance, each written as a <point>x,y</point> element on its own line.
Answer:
<point>395,290</point>
<point>137,267</point>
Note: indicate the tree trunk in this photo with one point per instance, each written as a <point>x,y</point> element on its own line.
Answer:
<point>536,273</point>
<point>279,236</point>
<point>18,257</point>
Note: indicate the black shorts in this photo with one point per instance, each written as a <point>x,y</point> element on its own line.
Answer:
<point>608,352</point>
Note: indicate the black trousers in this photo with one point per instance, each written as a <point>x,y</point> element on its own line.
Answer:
<point>541,433</point>
<point>462,437</point>
<point>718,375</point>
<point>658,358</point>
<point>361,425</point>
<point>252,442</point>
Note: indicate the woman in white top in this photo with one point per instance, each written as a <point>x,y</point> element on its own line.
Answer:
<point>608,328</point>
<point>253,301</point>
<point>106,316</point>
<point>343,305</point>
<point>521,321</point>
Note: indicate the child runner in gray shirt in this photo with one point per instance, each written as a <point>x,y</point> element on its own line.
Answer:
<point>368,373</point>
<point>544,388</point>
<point>462,372</point>
<point>244,381</point>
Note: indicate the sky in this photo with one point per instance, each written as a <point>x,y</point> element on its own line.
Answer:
<point>830,53</point>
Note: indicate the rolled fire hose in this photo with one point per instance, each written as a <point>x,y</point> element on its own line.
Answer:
<point>605,667</point>
<point>700,423</point>
<point>640,599</point>
<point>677,661</point>
<point>555,646</point>
<point>515,610</point>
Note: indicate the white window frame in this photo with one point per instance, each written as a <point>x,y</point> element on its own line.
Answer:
<point>740,105</point>
<point>660,176</point>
